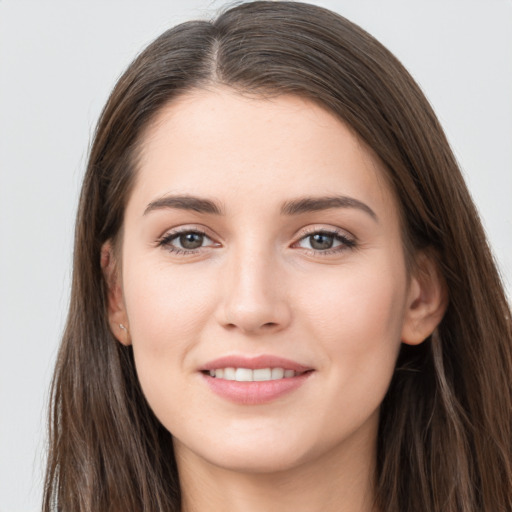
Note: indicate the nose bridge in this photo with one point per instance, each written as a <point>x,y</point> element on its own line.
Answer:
<point>254,298</point>
<point>252,269</point>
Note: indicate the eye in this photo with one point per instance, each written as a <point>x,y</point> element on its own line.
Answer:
<point>326,242</point>
<point>184,242</point>
<point>190,240</point>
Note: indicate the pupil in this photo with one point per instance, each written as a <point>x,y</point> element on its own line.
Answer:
<point>320,241</point>
<point>191,240</point>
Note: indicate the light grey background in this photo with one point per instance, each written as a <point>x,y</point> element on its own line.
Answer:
<point>58,62</point>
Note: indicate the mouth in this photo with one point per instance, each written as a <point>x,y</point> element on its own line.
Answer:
<point>250,375</point>
<point>254,380</point>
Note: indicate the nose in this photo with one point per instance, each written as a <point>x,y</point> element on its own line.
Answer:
<point>254,296</point>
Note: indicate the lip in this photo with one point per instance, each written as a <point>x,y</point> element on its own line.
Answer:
<point>254,363</point>
<point>259,392</point>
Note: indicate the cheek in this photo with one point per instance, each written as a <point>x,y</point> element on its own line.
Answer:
<point>355,319</point>
<point>357,316</point>
<point>165,301</point>
<point>349,297</point>
<point>167,309</point>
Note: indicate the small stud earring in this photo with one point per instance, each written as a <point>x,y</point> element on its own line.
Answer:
<point>121,326</point>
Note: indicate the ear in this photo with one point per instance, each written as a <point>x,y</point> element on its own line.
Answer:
<point>116,309</point>
<point>427,301</point>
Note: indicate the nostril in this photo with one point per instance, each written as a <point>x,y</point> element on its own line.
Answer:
<point>253,317</point>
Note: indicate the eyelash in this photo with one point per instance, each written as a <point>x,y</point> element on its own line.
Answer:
<point>346,242</point>
<point>166,240</point>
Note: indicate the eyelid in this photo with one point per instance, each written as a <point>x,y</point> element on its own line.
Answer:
<point>348,241</point>
<point>171,234</point>
<point>188,228</point>
<point>329,230</point>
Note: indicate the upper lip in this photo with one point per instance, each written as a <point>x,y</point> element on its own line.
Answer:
<point>254,363</point>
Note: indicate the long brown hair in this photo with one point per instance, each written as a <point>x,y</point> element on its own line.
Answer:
<point>445,436</point>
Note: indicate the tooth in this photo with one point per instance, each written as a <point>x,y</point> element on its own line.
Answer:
<point>262,374</point>
<point>243,375</point>
<point>277,373</point>
<point>248,375</point>
<point>229,374</point>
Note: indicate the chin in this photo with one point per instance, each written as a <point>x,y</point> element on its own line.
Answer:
<point>255,462</point>
<point>249,454</point>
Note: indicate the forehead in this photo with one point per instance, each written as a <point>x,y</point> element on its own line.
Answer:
<point>220,142</point>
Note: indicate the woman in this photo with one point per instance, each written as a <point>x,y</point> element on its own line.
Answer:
<point>282,294</point>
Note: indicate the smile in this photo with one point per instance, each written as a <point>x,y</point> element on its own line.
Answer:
<point>256,380</point>
<point>248,375</point>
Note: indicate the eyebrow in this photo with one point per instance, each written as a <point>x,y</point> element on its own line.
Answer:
<point>197,204</point>
<point>293,207</point>
<point>313,204</point>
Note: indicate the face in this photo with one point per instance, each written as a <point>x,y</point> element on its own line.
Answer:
<point>261,241</point>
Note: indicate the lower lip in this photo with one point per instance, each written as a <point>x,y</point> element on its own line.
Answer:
<point>255,393</point>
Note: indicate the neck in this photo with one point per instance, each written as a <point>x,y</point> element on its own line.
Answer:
<point>334,482</point>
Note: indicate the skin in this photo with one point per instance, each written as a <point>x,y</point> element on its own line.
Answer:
<point>258,286</point>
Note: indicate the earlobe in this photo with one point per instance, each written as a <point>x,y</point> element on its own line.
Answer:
<point>116,309</point>
<point>427,301</point>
